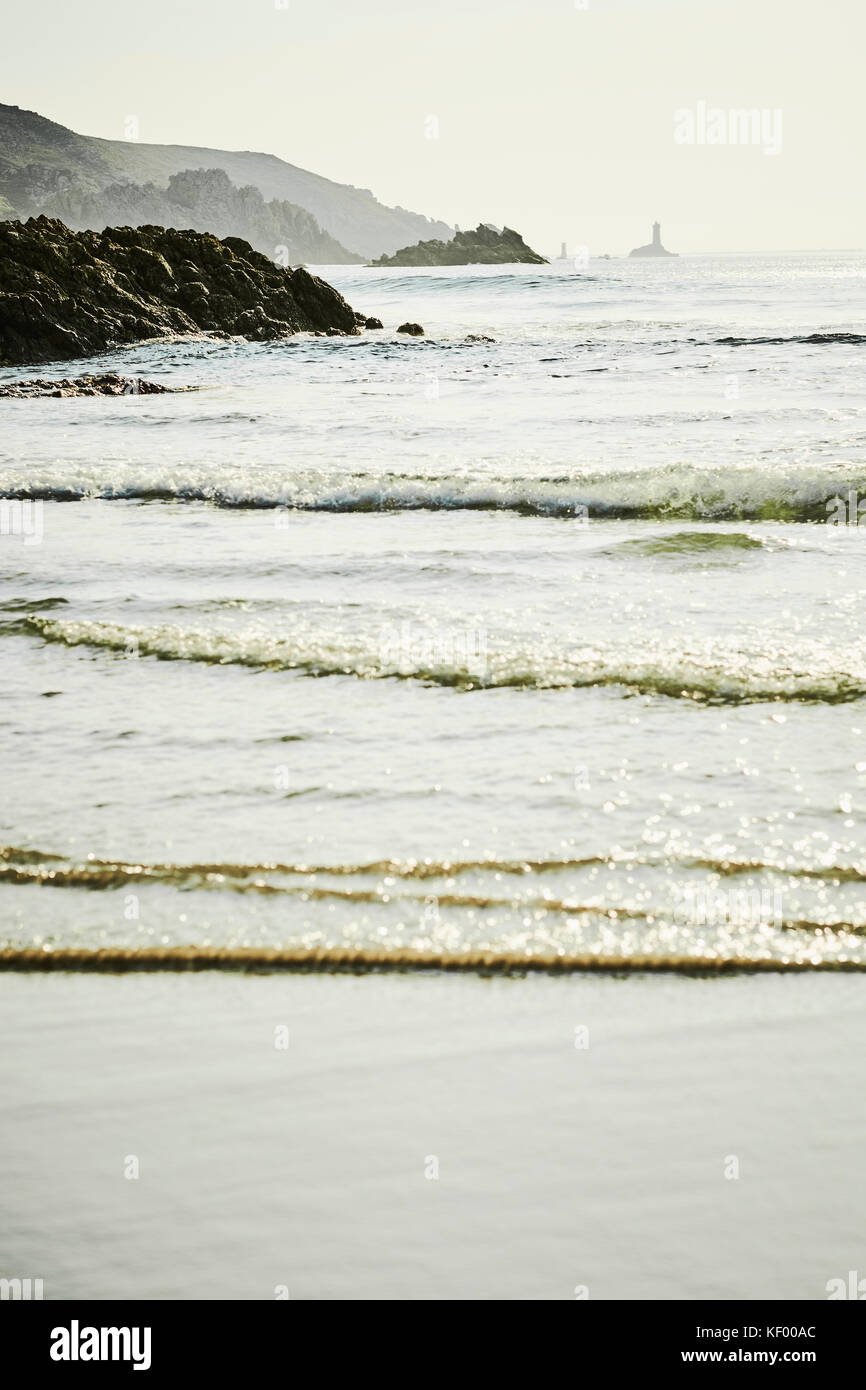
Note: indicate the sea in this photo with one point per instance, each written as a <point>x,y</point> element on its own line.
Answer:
<point>538,637</point>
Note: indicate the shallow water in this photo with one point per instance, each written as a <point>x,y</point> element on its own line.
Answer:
<point>545,643</point>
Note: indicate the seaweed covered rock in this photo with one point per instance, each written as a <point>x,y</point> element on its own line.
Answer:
<point>72,294</point>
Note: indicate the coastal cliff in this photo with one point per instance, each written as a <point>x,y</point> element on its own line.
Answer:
<point>207,201</point>
<point>71,294</point>
<point>89,182</point>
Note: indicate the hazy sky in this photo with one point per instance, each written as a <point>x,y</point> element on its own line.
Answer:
<point>555,119</point>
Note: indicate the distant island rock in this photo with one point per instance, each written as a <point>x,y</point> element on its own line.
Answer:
<point>654,248</point>
<point>70,294</point>
<point>485,246</point>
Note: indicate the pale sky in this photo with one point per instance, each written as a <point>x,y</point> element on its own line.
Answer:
<point>552,118</point>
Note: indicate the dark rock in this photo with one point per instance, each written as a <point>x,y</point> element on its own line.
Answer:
<point>109,384</point>
<point>414,329</point>
<point>73,294</point>
<point>373,323</point>
<point>485,246</point>
<point>478,338</point>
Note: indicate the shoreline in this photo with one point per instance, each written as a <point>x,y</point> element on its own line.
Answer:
<point>360,960</point>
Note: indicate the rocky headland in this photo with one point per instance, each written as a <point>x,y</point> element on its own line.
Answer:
<point>67,294</point>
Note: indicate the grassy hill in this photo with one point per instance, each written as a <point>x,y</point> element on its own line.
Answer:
<point>39,160</point>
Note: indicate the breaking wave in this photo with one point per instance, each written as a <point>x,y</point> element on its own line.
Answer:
<point>712,673</point>
<point>678,492</point>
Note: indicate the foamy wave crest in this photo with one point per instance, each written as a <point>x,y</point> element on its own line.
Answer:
<point>679,492</point>
<point>712,672</point>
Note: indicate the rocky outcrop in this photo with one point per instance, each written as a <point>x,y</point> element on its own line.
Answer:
<point>72,294</point>
<point>413,329</point>
<point>207,201</point>
<point>41,161</point>
<point>485,246</point>
<point>109,384</point>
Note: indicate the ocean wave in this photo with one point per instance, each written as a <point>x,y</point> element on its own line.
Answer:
<point>714,673</point>
<point>824,339</point>
<point>27,864</point>
<point>475,914</point>
<point>407,279</point>
<point>677,492</point>
<point>101,877</point>
<point>31,605</point>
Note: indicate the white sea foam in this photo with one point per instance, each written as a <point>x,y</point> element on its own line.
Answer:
<point>795,494</point>
<point>716,672</point>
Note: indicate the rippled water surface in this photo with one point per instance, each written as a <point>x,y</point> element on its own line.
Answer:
<point>546,643</point>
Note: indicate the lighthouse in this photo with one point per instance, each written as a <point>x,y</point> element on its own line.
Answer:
<point>653,248</point>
